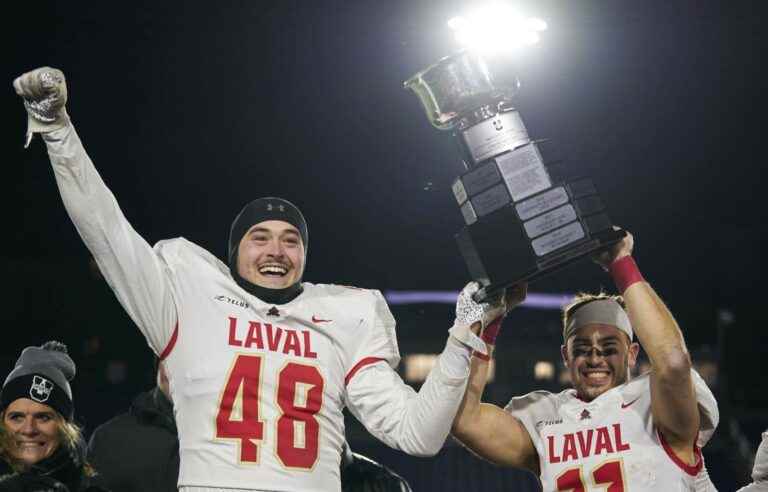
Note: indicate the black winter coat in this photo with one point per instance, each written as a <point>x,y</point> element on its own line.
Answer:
<point>138,451</point>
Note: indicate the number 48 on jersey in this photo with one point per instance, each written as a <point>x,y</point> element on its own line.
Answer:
<point>297,427</point>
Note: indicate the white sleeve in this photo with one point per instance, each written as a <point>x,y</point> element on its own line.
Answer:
<point>136,274</point>
<point>755,487</point>
<point>760,469</point>
<point>710,415</point>
<point>416,423</point>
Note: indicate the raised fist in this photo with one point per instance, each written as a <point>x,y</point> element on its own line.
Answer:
<point>619,250</point>
<point>44,91</point>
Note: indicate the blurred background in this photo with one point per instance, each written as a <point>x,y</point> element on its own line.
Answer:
<point>190,110</point>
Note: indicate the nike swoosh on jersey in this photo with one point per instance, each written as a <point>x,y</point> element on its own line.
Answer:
<point>315,319</point>
<point>625,405</point>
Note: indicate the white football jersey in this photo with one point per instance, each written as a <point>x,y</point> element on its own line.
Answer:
<point>610,443</point>
<point>258,385</point>
<point>258,389</point>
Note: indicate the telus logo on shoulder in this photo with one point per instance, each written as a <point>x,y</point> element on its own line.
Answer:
<point>545,423</point>
<point>233,301</point>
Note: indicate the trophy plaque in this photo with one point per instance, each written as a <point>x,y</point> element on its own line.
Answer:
<point>524,216</point>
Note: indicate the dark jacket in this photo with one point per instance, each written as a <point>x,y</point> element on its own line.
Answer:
<point>63,471</point>
<point>138,451</point>
<point>362,474</point>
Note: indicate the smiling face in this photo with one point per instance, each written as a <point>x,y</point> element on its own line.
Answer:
<point>271,255</point>
<point>598,357</point>
<point>33,429</point>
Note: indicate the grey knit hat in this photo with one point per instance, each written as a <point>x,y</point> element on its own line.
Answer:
<point>42,374</point>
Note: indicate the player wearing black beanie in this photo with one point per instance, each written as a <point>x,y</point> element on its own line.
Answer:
<point>256,212</point>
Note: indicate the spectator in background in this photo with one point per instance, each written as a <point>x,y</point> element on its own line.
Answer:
<point>41,449</point>
<point>138,451</point>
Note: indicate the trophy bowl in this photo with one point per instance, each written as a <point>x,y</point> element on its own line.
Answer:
<point>456,85</point>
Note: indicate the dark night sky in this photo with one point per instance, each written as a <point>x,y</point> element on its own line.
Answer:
<point>189,111</point>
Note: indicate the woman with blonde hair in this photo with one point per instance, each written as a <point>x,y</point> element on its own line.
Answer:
<point>41,448</point>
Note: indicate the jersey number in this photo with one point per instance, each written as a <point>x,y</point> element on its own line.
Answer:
<point>608,474</point>
<point>297,429</point>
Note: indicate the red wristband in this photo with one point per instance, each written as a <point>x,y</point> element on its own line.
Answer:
<point>625,273</point>
<point>492,331</point>
<point>481,355</point>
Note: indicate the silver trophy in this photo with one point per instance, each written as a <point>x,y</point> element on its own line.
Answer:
<point>524,216</point>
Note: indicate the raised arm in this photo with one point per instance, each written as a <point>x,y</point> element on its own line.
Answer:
<point>130,266</point>
<point>489,431</point>
<point>673,399</point>
<point>419,422</point>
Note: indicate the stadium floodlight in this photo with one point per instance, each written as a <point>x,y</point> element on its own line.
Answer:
<point>496,28</point>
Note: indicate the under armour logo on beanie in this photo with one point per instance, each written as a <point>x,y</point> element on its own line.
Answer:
<point>42,374</point>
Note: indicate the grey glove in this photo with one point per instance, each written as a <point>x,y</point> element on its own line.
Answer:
<point>45,95</point>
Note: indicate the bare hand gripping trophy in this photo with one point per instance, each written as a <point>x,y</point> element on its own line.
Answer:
<point>521,220</point>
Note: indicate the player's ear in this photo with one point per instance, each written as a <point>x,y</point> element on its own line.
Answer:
<point>633,351</point>
<point>564,354</point>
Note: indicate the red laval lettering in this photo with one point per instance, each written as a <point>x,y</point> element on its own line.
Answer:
<point>233,333</point>
<point>620,446</point>
<point>585,447</point>
<point>254,335</point>
<point>569,448</point>
<point>551,446</point>
<point>603,441</point>
<point>273,339</point>
<point>307,347</point>
<point>292,343</point>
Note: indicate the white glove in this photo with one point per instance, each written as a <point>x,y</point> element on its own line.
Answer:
<point>469,312</point>
<point>45,95</point>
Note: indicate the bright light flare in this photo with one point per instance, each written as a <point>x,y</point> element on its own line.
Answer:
<point>496,28</point>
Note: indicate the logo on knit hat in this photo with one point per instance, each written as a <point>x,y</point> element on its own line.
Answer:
<point>41,389</point>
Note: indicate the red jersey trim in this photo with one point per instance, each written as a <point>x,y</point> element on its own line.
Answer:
<point>171,343</point>
<point>364,362</point>
<point>691,470</point>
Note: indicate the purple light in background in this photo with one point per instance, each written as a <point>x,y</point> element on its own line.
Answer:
<point>534,300</point>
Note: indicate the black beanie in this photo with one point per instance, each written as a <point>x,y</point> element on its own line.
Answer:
<point>259,210</point>
<point>42,374</point>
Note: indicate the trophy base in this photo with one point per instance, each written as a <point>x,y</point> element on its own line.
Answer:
<point>599,242</point>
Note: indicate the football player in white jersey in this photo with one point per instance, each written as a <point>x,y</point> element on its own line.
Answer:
<point>260,364</point>
<point>609,432</point>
